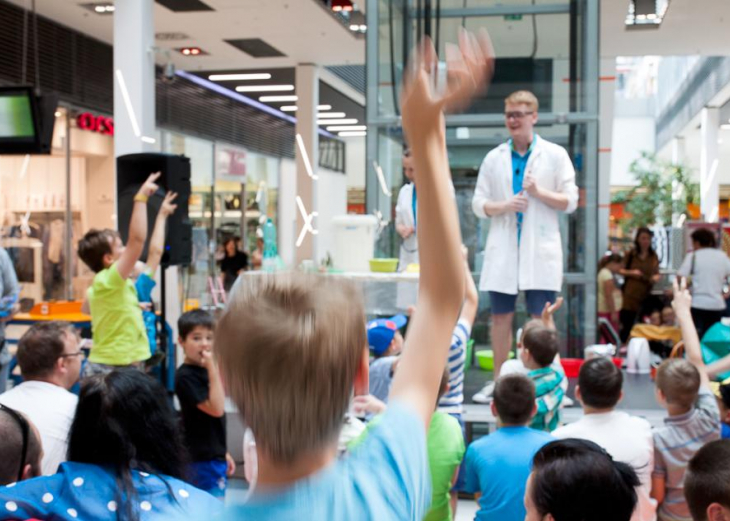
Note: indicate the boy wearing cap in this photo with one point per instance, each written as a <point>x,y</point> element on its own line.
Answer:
<point>385,342</point>
<point>721,390</point>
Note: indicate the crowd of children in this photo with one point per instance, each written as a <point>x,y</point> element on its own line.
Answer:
<point>291,350</point>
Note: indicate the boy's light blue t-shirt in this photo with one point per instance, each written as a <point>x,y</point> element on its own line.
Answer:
<point>384,478</point>
<point>498,466</point>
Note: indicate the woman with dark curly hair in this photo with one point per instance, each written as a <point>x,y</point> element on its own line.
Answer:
<point>125,460</point>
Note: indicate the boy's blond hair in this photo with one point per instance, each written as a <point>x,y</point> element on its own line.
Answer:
<point>289,346</point>
<point>679,381</point>
<point>523,96</point>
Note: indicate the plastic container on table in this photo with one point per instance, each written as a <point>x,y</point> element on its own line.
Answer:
<point>485,359</point>
<point>384,265</point>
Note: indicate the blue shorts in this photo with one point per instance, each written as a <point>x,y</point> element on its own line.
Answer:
<point>504,303</point>
<point>209,476</point>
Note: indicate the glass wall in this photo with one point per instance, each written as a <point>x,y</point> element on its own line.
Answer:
<point>233,193</point>
<point>550,49</point>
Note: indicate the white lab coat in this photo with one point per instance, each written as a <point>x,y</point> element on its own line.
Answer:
<point>539,262</point>
<point>404,216</point>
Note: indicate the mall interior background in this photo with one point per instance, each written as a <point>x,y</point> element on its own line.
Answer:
<point>610,86</point>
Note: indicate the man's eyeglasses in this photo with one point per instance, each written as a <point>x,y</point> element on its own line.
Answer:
<point>69,355</point>
<point>25,430</point>
<point>516,114</point>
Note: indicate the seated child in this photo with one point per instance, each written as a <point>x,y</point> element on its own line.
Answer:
<point>516,366</point>
<point>452,401</point>
<point>293,349</point>
<point>496,466</point>
<point>707,484</point>
<point>625,437</point>
<point>682,387</point>
<point>540,349</point>
<point>445,451</point>
<point>385,342</point>
<point>578,480</point>
<point>199,388</point>
<point>721,390</point>
<point>119,334</point>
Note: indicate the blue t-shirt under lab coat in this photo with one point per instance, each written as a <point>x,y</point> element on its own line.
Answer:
<point>384,478</point>
<point>497,466</point>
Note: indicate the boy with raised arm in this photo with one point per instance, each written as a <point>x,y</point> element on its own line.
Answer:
<point>293,348</point>
<point>119,334</point>
<point>682,387</point>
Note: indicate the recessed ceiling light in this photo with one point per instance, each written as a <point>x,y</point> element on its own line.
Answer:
<point>294,108</point>
<point>269,99</point>
<point>240,77</point>
<point>323,115</point>
<point>264,88</point>
<point>337,128</point>
<point>102,8</point>
<point>57,114</point>
<point>346,121</point>
<point>354,27</point>
<point>192,51</point>
<point>352,134</point>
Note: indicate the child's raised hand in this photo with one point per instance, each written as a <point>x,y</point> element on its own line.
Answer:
<point>167,208</point>
<point>549,310</point>
<point>682,301</point>
<point>150,185</point>
<point>469,70</point>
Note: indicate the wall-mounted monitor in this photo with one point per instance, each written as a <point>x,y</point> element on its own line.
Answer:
<point>26,120</point>
<point>19,121</point>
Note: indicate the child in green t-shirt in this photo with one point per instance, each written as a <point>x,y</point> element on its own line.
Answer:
<point>119,334</point>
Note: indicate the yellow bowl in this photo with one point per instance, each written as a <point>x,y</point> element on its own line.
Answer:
<point>384,265</point>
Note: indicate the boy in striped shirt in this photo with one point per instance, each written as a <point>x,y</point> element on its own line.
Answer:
<point>451,402</point>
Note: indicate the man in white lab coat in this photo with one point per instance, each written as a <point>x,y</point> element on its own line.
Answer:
<point>405,216</point>
<point>523,184</point>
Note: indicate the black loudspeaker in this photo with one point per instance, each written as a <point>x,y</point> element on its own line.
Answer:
<point>132,171</point>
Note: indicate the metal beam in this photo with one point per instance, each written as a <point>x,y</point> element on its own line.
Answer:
<point>491,120</point>
<point>504,10</point>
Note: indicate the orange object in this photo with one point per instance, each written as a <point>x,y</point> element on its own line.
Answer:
<point>70,311</point>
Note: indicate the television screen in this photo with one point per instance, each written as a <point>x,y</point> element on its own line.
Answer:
<point>19,123</point>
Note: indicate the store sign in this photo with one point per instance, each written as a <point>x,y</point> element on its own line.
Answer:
<point>100,124</point>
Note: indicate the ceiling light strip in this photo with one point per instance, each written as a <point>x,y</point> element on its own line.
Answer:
<point>272,99</point>
<point>265,88</point>
<point>202,82</point>
<point>240,77</point>
<point>347,121</point>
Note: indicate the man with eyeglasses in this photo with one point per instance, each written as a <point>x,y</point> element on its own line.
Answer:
<point>50,363</point>
<point>522,187</point>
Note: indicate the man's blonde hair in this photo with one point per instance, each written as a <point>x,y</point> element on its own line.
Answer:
<point>289,346</point>
<point>679,381</point>
<point>523,96</point>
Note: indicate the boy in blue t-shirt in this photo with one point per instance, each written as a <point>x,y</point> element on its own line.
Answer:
<point>144,274</point>
<point>497,466</point>
<point>293,348</point>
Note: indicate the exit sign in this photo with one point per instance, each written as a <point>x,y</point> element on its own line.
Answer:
<point>513,17</point>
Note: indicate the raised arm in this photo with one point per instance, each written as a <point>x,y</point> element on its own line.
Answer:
<point>682,303</point>
<point>157,241</point>
<point>137,227</point>
<point>441,290</point>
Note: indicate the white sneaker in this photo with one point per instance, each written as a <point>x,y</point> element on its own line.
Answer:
<point>567,402</point>
<point>485,395</point>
